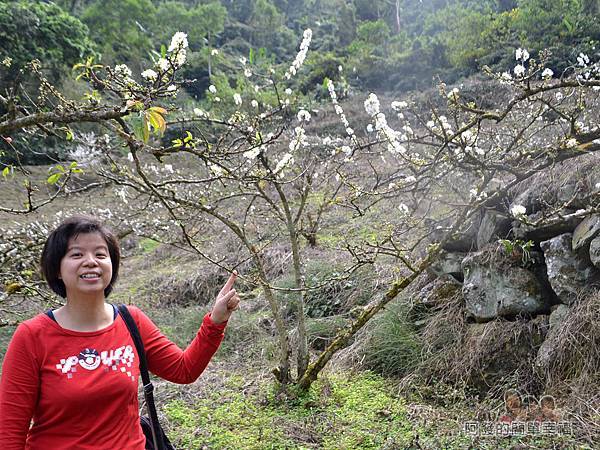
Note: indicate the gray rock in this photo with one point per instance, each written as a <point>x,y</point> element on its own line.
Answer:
<point>494,225</point>
<point>587,230</point>
<point>463,240</point>
<point>448,264</point>
<point>547,351</point>
<point>595,252</point>
<point>501,347</point>
<point>544,232</point>
<point>559,312</point>
<point>569,272</point>
<point>567,182</point>
<point>439,291</point>
<point>491,290</point>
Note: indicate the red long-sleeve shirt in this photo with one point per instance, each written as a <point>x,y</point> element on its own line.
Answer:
<point>80,388</point>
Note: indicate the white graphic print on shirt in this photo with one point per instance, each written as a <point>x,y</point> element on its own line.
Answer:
<point>120,359</point>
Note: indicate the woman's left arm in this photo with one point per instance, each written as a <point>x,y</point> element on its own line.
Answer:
<point>168,361</point>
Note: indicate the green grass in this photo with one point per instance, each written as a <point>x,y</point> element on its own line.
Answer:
<point>339,412</point>
<point>148,245</point>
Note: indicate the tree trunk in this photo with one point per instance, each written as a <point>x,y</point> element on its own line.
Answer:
<point>282,372</point>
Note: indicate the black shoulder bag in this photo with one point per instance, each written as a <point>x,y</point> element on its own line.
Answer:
<point>156,439</point>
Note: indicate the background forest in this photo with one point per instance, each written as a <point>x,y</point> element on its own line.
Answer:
<point>382,45</point>
<point>408,188</point>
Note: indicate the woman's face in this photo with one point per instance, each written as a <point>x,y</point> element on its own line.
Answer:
<point>86,268</point>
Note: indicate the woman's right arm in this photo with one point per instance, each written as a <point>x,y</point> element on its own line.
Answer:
<point>19,389</point>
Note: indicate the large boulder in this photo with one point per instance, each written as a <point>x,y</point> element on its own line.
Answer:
<point>494,287</point>
<point>569,272</point>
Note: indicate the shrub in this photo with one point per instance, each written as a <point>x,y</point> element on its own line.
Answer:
<point>388,344</point>
<point>337,296</point>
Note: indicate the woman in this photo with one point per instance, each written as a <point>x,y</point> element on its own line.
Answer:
<point>74,371</point>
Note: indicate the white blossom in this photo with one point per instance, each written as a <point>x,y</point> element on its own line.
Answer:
<point>237,98</point>
<point>180,58</point>
<point>519,70</point>
<point>372,104</point>
<point>178,41</point>
<point>547,73</point>
<point>285,160</point>
<point>288,91</point>
<point>518,211</point>
<point>570,143</point>
<point>163,64</point>
<point>214,52</point>
<point>303,115</point>
<point>583,60</point>
<point>403,209</point>
<point>397,106</point>
<point>200,113</point>
<point>149,75</point>
<point>251,154</point>
<point>212,89</point>
<point>123,71</point>
<point>122,193</point>
<point>506,77</point>
<point>171,88</point>
<point>521,54</point>
<point>301,56</point>
<point>254,104</point>
<point>453,94</point>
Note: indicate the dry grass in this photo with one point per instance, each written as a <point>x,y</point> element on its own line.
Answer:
<point>574,373</point>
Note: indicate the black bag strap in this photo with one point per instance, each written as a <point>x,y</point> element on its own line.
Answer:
<point>148,387</point>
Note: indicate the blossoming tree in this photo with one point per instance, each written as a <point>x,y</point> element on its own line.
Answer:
<point>256,170</point>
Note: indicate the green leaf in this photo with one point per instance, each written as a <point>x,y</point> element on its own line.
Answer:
<point>251,56</point>
<point>188,137</point>
<point>163,50</point>
<point>138,128</point>
<point>53,179</point>
<point>145,129</point>
<point>6,171</point>
<point>69,135</point>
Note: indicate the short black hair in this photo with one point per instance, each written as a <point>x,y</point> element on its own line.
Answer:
<point>55,249</point>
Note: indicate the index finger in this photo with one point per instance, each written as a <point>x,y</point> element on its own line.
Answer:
<point>229,283</point>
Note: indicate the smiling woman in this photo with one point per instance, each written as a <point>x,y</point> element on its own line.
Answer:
<point>74,370</point>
